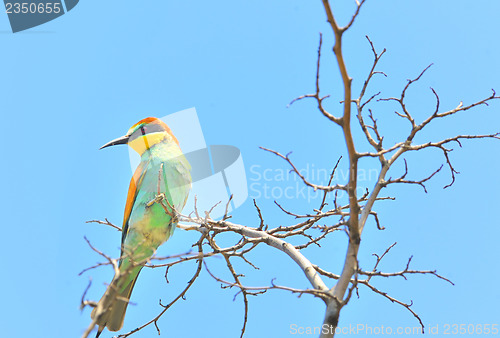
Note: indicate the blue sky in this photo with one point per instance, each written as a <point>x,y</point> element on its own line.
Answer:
<point>73,84</point>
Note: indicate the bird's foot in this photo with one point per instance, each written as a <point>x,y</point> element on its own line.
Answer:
<point>158,199</point>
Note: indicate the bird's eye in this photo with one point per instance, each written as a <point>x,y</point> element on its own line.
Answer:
<point>143,130</point>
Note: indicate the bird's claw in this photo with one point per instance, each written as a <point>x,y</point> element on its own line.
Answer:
<point>158,198</point>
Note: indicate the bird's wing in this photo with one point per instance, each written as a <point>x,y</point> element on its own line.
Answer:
<point>135,186</point>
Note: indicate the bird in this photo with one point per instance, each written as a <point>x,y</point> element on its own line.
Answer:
<point>158,191</point>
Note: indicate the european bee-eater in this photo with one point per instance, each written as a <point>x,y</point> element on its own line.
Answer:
<point>160,183</point>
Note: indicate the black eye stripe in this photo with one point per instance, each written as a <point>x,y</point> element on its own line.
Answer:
<point>146,129</point>
<point>152,128</point>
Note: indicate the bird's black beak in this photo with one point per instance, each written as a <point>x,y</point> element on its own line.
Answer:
<point>120,140</point>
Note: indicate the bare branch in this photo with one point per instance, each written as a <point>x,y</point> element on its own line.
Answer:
<point>394,300</point>
<point>306,182</point>
<point>316,95</point>
<point>421,182</point>
<point>83,301</point>
<point>401,273</point>
<point>106,222</point>
<point>446,151</point>
<point>261,289</point>
<point>261,225</point>
<point>359,4</point>
<point>325,193</point>
<point>266,238</point>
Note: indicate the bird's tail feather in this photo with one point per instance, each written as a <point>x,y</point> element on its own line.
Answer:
<point>114,302</point>
<point>117,313</point>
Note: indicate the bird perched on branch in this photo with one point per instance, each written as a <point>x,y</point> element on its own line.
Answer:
<point>158,191</point>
